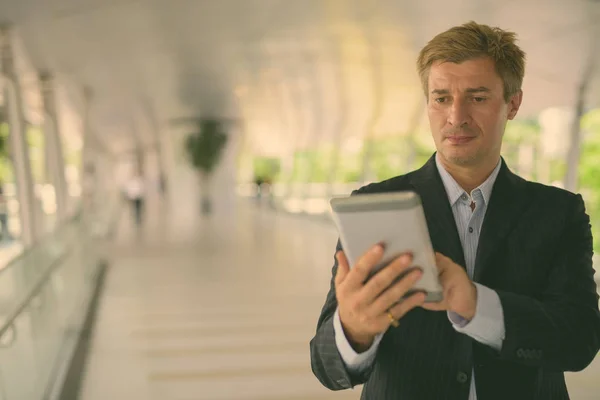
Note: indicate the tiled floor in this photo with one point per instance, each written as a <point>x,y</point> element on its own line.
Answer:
<point>220,309</point>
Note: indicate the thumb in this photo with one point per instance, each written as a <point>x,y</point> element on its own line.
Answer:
<point>342,268</point>
<point>441,261</point>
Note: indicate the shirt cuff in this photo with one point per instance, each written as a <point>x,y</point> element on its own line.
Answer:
<point>487,326</point>
<point>355,362</point>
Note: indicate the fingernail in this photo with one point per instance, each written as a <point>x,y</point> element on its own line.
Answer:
<point>407,258</point>
<point>377,249</point>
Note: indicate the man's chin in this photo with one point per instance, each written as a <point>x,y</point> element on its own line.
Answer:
<point>461,158</point>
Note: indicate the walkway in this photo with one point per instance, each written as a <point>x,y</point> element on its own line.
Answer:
<point>220,309</point>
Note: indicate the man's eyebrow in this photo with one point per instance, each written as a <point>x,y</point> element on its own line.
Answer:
<point>480,89</point>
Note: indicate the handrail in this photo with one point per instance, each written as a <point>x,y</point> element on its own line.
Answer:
<point>45,238</point>
<point>8,323</point>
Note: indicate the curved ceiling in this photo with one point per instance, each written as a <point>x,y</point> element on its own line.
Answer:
<point>291,70</point>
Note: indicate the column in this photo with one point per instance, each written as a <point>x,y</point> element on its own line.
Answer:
<point>19,150</point>
<point>376,76</point>
<point>158,138</point>
<point>341,120</point>
<point>53,146</point>
<point>89,155</point>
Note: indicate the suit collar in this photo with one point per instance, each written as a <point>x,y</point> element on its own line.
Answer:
<point>455,191</point>
<point>438,213</point>
<point>507,202</point>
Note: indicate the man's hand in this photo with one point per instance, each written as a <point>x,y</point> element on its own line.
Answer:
<point>364,306</point>
<point>460,294</point>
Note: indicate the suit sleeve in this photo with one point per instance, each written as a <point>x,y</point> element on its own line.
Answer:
<point>326,362</point>
<point>560,330</point>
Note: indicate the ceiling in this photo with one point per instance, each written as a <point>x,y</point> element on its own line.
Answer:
<point>292,70</point>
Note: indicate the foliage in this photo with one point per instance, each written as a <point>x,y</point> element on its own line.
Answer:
<point>4,140</point>
<point>392,156</point>
<point>522,131</point>
<point>6,174</point>
<point>205,147</point>
<point>589,171</point>
<point>311,165</point>
<point>267,167</point>
<point>37,158</point>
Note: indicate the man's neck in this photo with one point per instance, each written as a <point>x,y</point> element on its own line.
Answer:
<point>469,177</point>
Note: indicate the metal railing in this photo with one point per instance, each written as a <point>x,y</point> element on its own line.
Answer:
<point>311,200</point>
<point>44,297</point>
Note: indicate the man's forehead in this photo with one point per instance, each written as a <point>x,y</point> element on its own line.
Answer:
<point>467,76</point>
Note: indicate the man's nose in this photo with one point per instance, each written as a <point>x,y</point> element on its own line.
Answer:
<point>458,114</point>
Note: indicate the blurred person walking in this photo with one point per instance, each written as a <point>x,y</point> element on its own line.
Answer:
<point>135,191</point>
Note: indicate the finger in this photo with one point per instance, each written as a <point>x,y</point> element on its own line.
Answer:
<point>342,268</point>
<point>443,264</point>
<point>442,261</point>
<point>396,292</point>
<point>359,272</point>
<point>400,310</point>
<point>385,277</point>
<point>439,306</point>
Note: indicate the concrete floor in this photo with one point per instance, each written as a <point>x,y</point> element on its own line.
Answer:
<point>220,309</point>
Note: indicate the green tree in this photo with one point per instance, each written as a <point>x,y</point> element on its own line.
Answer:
<point>6,174</point>
<point>267,167</point>
<point>204,149</point>
<point>589,171</point>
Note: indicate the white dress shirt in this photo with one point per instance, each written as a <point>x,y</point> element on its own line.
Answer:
<point>487,326</point>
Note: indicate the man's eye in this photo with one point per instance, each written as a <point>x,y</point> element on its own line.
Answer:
<point>479,99</point>
<point>440,100</point>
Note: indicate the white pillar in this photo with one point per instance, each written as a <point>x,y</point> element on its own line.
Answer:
<point>53,147</point>
<point>19,150</point>
<point>160,153</point>
<point>378,89</point>
<point>89,158</point>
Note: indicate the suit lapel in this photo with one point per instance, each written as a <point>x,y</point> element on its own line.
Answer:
<point>508,201</point>
<point>438,212</point>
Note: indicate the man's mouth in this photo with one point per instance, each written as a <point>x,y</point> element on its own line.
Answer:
<point>458,139</point>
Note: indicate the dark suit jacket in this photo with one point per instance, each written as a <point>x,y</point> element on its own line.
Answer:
<point>535,250</point>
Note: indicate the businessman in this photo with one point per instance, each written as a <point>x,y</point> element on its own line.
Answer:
<point>520,304</point>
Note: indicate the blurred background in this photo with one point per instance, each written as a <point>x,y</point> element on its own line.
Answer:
<point>166,167</point>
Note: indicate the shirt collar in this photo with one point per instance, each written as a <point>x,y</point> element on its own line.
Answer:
<point>454,190</point>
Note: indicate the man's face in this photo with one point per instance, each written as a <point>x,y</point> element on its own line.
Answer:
<point>467,111</point>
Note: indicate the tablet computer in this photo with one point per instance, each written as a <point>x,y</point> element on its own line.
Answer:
<point>395,219</point>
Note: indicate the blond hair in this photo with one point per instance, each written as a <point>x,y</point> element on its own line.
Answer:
<point>471,41</point>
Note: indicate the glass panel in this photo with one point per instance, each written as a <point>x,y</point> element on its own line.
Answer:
<point>60,271</point>
<point>20,379</point>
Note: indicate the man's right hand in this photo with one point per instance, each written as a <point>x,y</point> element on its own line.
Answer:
<point>363,306</point>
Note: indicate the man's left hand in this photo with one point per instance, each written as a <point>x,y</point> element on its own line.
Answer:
<point>460,293</point>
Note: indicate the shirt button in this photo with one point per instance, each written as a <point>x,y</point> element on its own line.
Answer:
<point>464,197</point>
<point>470,229</point>
<point>461,377</point>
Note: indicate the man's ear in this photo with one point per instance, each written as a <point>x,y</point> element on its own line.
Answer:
<point>514,103</point>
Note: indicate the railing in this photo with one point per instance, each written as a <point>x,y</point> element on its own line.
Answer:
<point>44,297</point>
<point>306,199</point>
<point>312,200</point>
